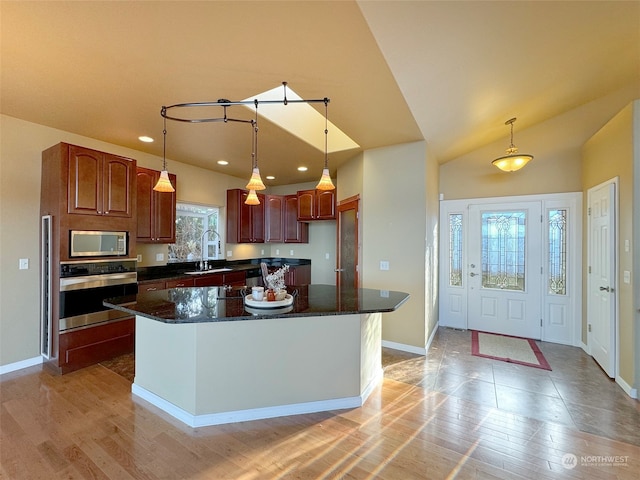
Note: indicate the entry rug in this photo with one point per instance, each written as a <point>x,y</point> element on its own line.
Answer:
<point>522,351</point>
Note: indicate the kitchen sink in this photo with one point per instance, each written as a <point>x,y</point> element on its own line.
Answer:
<point>204,272</point>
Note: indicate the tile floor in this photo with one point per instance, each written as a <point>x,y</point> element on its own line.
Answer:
<point>575,393</point>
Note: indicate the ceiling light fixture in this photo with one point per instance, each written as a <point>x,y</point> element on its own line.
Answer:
<point>325,182</point>
<point>255,183</point>
<point>164,184</point>
<point>512,161</point>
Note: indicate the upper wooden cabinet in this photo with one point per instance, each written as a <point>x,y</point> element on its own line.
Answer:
<point>293,230</point>
<point>274,218</point>
<point>156,210</point>
<point>316,205</point>
<point>245,223</point>
<point>99,183</point>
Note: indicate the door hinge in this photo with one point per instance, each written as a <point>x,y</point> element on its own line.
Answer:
<point>540,322</point>
<point>589,328</point>
<point>541,272</point>
<point>541,219</point>
<point>589,268</point>
<point>589,211</point>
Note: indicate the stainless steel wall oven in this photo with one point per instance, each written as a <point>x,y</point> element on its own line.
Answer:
<point>85,284</point>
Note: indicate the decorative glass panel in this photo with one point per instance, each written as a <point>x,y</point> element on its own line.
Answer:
<point>557,252</point>
<point>455,250</point>
<point>503,250</point>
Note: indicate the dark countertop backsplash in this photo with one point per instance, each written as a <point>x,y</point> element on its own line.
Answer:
<point>173,270</point>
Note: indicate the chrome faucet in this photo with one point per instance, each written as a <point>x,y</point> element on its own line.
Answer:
<point>203,262</point>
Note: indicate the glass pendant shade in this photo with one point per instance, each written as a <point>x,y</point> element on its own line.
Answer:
<point>252,198</point>
<point>511,163</point>
<point>255,182</point>
<point>325,182</point>
<point>513,160</point>
<point>164,184</point>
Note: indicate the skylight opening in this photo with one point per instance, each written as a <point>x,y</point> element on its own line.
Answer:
<point>302,120</point>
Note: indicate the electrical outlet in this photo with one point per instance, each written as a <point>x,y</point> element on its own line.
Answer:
<point>23,264</point>
<point>262,252</point>
<point>291,252</point>
<point>277,251</point>
<point>384,265</point>
<point>139,258</point>
<point>384,293</point>
<point>229,253</point>
<point>159,257</point>
<point>326,256</point>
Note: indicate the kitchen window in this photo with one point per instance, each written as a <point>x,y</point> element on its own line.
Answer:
<point>196,228</point>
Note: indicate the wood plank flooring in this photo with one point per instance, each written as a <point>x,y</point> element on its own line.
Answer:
<point>433,417</point>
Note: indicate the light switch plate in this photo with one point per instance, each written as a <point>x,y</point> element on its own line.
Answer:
<point>139,258</point>
<point>159,257</point>
<point>626,276</point>
<point>384,265</point>
<point>23,264</point>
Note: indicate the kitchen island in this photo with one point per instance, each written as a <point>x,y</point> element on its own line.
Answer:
<point>204,357</point>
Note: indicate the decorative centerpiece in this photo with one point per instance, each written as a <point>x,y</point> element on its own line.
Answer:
<point>275,290</point>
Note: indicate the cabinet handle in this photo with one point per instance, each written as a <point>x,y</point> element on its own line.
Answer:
<point>151,289</point>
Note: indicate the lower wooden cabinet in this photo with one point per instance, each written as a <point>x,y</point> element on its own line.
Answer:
<point>87,346</point>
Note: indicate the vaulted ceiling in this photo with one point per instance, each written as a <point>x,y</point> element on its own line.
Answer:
<point>449,73</point>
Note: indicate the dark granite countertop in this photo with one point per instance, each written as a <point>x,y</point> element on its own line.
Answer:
<point>217,304</point>
<point>173,271</point>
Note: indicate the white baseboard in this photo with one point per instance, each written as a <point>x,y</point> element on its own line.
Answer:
<point>411,348</point>
<point>256,413</point>
<point>404,348</point>
<point>632,392</point>
<point>12,367</point>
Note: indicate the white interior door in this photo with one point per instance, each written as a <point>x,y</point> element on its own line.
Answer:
<point>601,285</point>
<point>505,269</point>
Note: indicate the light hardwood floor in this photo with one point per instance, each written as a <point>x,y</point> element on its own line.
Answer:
<point>447,415</point>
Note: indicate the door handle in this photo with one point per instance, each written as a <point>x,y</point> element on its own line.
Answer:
<point>605,289</point>
<point>472,274</point>
<point>339,269</point>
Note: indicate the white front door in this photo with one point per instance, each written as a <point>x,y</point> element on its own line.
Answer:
<point>505,269</point>
<point>509,264</point>
<point>601,285</point>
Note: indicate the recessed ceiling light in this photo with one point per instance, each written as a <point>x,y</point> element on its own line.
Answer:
<point>302,169</point>
<point>223,162</point>
<point>145,139</point>
<point>270,177</point>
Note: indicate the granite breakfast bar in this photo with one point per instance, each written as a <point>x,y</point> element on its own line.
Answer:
<point>204,357</point>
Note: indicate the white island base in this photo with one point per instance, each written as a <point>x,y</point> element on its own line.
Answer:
<point>211,373</point>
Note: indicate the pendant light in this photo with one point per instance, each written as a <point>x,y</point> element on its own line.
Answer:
<point>252,198</point>
<point>255,182</point>
<point>164,184</point>
<point>325,182</point>
<point>512,161</point>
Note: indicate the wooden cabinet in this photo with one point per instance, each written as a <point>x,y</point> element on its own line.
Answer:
<point>294,231</point>
<point>151,286</point>
<point>274,218</point>
<point>281,220</point>
<point>156,210</point>
<point>298,275</point>
<point>99,183</point>
<point>181,282</point>
<point>245,223</point>
<point>219,279</point>
<point>316,205</point>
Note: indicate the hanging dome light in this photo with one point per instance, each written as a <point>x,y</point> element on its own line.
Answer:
<point>325,182</point>
<point>252,198</point>
<point>513,160</point>
<point>164,184</point>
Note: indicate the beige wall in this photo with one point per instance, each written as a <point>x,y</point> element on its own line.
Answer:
<point>394,229</point>
<point>608,154</point>
<point>21,146</point>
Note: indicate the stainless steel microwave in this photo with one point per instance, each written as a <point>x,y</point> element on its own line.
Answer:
<point>85,243</point>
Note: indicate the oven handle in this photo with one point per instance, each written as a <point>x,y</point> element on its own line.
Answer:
<point>97,281</point>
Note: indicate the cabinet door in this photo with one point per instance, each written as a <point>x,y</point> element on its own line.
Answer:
<point>245,223</point>
<point>144,188</point>
<point>118,178</point>
<point>306,204</point>
<point>151,286</point>
<point>84,186</point>
<point>299,275</point>
<point>274,212</point>
<point>325,205</point>
<point>164,218</point>
<point>183,282</point>
<point>209,280</point>
<point>294,231</point>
